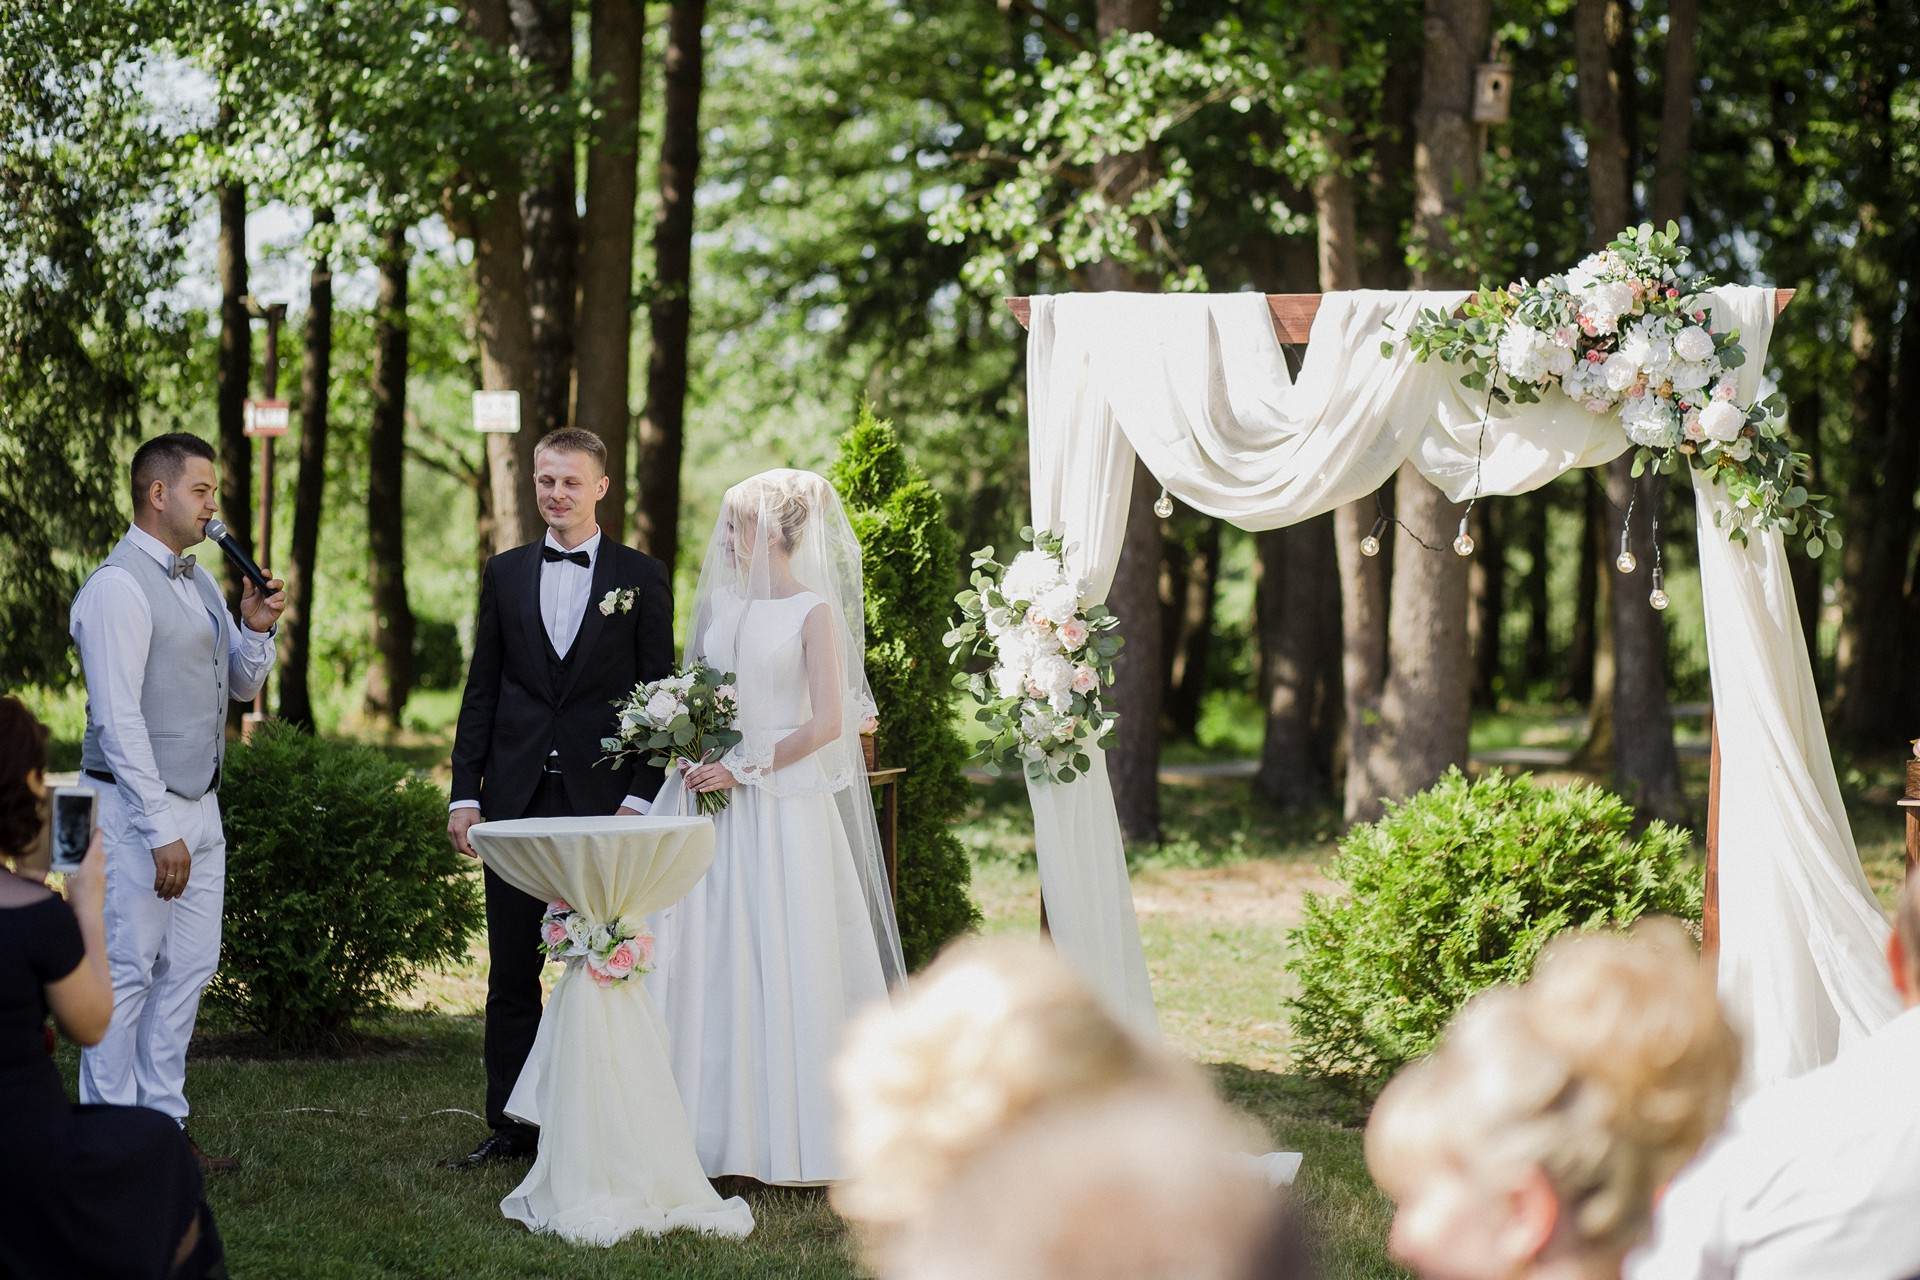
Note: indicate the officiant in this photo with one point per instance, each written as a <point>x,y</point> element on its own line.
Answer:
<point>566,625</point>
<point>162,657</point>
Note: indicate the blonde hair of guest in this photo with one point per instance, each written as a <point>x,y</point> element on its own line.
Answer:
<point>993,1033</point>
<point>1604,1073</point>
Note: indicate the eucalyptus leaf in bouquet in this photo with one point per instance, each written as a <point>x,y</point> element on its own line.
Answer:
<point>688,715</point>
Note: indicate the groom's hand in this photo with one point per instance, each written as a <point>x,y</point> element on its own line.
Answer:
<point>458,823</point>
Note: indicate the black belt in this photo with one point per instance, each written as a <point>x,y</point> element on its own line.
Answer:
<point>103,776</point>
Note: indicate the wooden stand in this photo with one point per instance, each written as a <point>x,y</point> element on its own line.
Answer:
<point>887,783</point>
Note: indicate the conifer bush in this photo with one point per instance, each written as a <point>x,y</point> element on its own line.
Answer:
<point>911,568</point>
<point>1457,889</point>
<point>341,886</point>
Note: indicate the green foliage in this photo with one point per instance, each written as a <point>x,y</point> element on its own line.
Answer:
<point>1455,890</point>
<point>341,886</point>
<point>910,565</point>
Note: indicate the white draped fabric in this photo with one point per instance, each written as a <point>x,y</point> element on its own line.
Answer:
<point>1198,387</point>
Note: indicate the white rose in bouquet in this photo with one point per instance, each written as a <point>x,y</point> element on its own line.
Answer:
<point>662,707</point>
<point>1009,682</point>
<point>1085,678</point>
<point>1646,342</point>
<point>1688,376</point>
<point>1052,678</point>
<point>1059,603</point>
<point>1560,360</point>
<point>1722,420</point>
<point>1739,448</point>
<point>1693,343</point>
<point>1604,304</point>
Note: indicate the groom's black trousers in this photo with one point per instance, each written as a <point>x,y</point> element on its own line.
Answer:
<point>513,972</point>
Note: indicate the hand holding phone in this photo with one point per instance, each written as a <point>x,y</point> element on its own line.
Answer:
<point>74,813</point>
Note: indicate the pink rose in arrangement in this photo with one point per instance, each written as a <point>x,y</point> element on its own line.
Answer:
<point>1073,633</point>
<point>1085,678</point>
<point>1037,617</point>
<point>643,949</point>
<point>557,906</point>
<point>870,724</point>
<point>621,959</point>
<point>553,933</point>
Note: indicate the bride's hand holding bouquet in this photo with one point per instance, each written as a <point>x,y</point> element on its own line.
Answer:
<point>684,719</point>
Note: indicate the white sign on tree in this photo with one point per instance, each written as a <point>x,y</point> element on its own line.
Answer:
<point>496,411</point>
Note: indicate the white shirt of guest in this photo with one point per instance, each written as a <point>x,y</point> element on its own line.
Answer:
<point>1815,1177</point>
<point>565,586</point>
<point>112,623</point>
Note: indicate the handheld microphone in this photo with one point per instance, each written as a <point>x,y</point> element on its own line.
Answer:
<point>217,531</point>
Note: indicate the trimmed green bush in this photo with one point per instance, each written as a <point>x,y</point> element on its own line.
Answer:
<point>1455,890</point>
<point>341,886</point>
<point>911,570</point>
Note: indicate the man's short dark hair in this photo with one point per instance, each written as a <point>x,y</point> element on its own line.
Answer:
<point>163,458</point>
<point>575,440</point>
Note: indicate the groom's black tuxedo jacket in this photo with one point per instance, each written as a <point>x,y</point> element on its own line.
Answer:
<point>524,702</point>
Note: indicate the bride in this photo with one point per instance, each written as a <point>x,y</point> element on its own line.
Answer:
<point>792,929</point>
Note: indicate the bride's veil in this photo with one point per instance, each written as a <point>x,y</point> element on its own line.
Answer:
<point>801,513</point>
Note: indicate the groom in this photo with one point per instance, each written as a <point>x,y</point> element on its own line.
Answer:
<point>566,626</point>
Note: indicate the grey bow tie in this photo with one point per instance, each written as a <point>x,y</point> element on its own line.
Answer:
<point>182,567</point>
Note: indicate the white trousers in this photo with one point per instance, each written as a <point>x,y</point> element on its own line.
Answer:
<point>161,956</point>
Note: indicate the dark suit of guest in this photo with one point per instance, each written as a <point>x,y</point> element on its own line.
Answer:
<point>548,665</point>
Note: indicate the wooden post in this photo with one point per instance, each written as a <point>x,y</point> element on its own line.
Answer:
<point>1710,903</point>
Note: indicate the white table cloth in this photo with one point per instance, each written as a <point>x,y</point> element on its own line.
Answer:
<point>616,1153</point>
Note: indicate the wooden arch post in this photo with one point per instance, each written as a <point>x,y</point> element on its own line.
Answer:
<point>1293,315</point>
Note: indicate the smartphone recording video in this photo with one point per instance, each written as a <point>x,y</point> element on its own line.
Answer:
<point>73,821</point>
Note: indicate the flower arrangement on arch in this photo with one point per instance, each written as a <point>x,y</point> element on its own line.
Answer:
<point>1623,333</point>
<point>1052,653</point>
<point>688,715</point>
<point>610,952</point>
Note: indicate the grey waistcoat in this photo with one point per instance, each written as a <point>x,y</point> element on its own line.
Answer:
<point>184,695</point>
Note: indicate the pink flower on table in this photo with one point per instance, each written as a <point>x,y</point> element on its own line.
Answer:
<point>622,959</point>
<point>1073,633</point>
<point>870,724</point>
<point>553,933</point>
<point>557,906</point>
<point>643,948</point>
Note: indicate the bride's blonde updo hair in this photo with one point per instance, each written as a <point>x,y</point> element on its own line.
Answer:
<point>991,1035</point>
<point>786,496</point>
<point>1605,1072</point>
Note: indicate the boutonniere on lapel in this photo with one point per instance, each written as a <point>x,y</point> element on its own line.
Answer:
<point>618,600</point>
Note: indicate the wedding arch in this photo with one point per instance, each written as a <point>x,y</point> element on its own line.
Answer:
<point>1196,386</point>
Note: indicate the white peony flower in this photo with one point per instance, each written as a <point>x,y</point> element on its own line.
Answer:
<point>1008,682</point>
<point>1031,575</point>
<point>1059,604</point>
<point>1621,370</point>
<point>1560,361</point>
<point>662,707</point>
<point>1646,341</point>
<point>1522,352</point>
<point>1053,674</point>
<point>1721,420</point>
<point>1604,304</point>
<point>1693,343</point>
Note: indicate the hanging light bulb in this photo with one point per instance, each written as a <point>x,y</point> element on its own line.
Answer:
<point>1370,545</point>
<point>1626,563</point>
<point>1657,597</point>
<point>1164,506</point>
<point>1463,544</point>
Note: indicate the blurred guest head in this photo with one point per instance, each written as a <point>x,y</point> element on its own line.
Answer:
<point>1533,1139</point>
<point>998,1122</point>
<point>23,789</point>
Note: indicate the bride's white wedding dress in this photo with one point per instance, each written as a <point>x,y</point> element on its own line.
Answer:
<point>761,965</point>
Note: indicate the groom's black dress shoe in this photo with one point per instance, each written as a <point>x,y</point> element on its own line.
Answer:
<point>497,1148</point>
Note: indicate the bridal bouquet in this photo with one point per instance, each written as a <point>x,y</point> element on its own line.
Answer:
<point>611,952</point>
<point>1622,333</point>
<point>685,716</point>
<point>1052,654</point>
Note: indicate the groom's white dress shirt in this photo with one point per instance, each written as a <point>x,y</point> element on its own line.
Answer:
<point>112,623</point>
<point>565,586</point>
<point>1814,1177</point>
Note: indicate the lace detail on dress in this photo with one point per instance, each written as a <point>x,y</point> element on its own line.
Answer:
<point>749,761</point>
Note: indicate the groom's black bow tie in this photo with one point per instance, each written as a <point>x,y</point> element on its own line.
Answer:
<point>550,554</point>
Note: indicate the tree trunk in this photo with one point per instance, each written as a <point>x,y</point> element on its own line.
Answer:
<point>1134,763</point>
<point>1860,688</point>
<point>543,32</point>
<point>1597,28</point>
<point>1537,661</point>
<point>1596,752</point>
<point>1646,769</point>
<point>1487,601</point>
<point>231,377</point>
<point>309,492</point>
<point>1194,573</point>
<point>1424,702</point>
<point>1583,646</point>
<point>604,335</point>
<point>390,674</point>
<point>1295,604</point>
<point>1803,416</point>
<point>1676,113</point>
<point>670,314</point>
<point>1363,663</point>
<point>1876,721</point>
<point>502,321</point>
